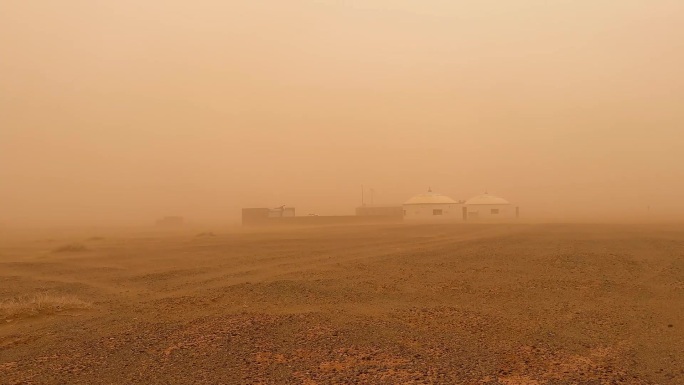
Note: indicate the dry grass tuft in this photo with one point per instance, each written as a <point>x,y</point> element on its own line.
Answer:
<point>30,306</point>
<point>71,248</point>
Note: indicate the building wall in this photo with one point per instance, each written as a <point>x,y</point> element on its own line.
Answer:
<point>322,220</point>
<point>488,213</point>
<point>391,211</point>
<point>284,212</point>
<point>254,216</point>
<point>452,212</point>
<point>263,217</point>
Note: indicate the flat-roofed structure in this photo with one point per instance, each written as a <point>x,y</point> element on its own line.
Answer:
<point>372,210</point>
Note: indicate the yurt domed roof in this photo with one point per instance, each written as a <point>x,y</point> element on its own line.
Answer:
<point>430,198</point>
<point>487,199</point>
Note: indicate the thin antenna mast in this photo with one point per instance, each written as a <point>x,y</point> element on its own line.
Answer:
<point>362,202</point>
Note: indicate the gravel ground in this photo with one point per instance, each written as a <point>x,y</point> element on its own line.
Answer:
<point>394,304</point>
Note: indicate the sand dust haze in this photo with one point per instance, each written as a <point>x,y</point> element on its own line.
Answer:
<point>133,133</point>
<point>121,112</point>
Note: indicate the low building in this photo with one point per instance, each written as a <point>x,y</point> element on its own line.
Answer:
<point>172,221</point>
<point>257,216</point>
<point>380,211</point>
<point>281,212</point>
<point>490,208</point>
<point>285,216</point>
<point>433,207</point>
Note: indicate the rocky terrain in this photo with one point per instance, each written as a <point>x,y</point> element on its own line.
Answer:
<point>392,304</point>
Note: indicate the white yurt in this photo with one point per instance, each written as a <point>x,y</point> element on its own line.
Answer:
<point>487,208</point>
<point>432,207</point>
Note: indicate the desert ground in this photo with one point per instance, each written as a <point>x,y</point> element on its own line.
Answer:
<point>535,304</point>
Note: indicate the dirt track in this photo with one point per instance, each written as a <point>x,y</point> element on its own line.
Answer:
<point>500,304</point>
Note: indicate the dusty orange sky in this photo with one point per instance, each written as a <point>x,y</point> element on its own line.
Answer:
<point>124,111</point>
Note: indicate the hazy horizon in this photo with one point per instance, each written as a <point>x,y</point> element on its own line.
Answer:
<point>124,112</point>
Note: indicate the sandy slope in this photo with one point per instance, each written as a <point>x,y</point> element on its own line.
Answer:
<point>512,305</point>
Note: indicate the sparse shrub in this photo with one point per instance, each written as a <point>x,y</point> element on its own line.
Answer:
<point>71,248</point>
<point>44,303</point>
